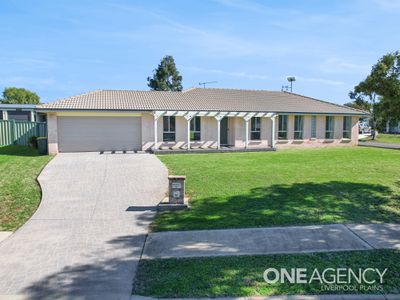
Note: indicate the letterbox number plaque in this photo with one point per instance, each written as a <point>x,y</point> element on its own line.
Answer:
<point>176,193</point>
<point>176,185</point>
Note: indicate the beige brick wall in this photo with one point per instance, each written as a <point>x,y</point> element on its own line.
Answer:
<point>320,140</point>
<point>208,134</point>
<point>52,133</point>
<point>240,137</point>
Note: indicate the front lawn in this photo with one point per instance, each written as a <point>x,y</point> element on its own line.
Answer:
<point>287,187</point>
<point>19,191</point>
<point>243,275</point>
<point>385,138</point>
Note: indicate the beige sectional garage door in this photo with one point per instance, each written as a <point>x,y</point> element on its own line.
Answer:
<point>98,133</point>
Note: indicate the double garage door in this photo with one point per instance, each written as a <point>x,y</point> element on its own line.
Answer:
<point>79,134</point>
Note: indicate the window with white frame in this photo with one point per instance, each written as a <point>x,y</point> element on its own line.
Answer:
<point>329,127</point>
<point>347,127</point>
<point>282,127</point>
<point>313,127</point>
<point>195,129</point>
<point>298,127</point>
<point>255,130</point>
<point>169,128</point>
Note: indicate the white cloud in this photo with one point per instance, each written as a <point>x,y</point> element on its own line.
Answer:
<point>210,42</point>
<point>247,5</point>
<point>226,73</point>
<point>338,65</point>
<point>388,5</point>
<point>27,81</point>
<point>319,80</point>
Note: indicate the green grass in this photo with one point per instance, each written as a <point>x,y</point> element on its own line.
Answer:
<point>243,275</point>
<point>288,187</point>
<point>385,138</point>
<point>19,191</point>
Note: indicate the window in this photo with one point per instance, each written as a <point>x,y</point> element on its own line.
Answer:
<point>347,127</point>
<point>298,127</point>
<point>19,115</point>
<point>169,129</point>
<point>195,125</point>
<point>255,131</point>
<point>282,127</point>
<point>329,127</point>
<point>313,127</point>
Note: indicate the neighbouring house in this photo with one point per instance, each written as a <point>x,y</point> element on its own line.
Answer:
<point>392,126</point>
<point>106,120</point>
<point>18,112</point>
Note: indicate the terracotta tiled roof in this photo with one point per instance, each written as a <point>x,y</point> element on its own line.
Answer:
<point>199,99</point>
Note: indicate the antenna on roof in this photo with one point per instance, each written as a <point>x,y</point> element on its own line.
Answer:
<point>291,79</point>
<point>207,82</point>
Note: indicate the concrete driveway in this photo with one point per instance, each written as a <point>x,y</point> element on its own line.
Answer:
<point>86,238</point>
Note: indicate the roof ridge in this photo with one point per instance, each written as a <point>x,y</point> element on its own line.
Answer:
<point>233,89</point>
<point>144,91</point>
<point>75,96</point>
<point>189,89</point>
<point>327,102</point>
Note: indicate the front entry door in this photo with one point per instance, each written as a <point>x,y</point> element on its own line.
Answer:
<point>224,131</point>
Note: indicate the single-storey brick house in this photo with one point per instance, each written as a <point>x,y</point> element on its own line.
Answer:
<point>106,120</point>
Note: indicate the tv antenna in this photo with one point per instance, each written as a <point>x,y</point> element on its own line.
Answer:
<point>291,79</point>
<point>207,82</point>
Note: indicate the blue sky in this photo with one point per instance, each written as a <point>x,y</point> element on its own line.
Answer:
<point>60,48</point>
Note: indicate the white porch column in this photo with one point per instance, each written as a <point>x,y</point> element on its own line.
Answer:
<point>273,131</point>
<point>219,117</point>
<point>218,133</point>
<point>157,115</point>
<point>189,116</point>
<point>246,141</point>
<point>247,118</point>
<point>188,134</point>
<point>32,116</point>
<point>5,115</point>
<point>155,133</point>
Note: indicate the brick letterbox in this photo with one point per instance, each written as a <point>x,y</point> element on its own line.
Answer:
<point>176,189</point>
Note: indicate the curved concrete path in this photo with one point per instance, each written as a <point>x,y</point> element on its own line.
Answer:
<point>86,238</point>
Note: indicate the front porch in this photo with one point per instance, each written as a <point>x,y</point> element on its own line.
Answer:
<point>210,131</point>
<point>222,149</point>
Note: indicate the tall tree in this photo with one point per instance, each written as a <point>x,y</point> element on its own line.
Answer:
<point>359,104</point>
<point>166,77</point>
<point>382,83</point>
<point>13,95</point>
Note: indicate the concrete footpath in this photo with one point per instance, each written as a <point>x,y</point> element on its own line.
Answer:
<point>379,145</point>
<point>272,240</point>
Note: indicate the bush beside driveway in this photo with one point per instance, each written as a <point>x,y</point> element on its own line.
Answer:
<point>19,191</point>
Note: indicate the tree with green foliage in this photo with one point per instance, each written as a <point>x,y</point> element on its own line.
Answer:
<point>13,95</point>
<point>381,86</point>
<point>359,104</point>
<point>166,77</point>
